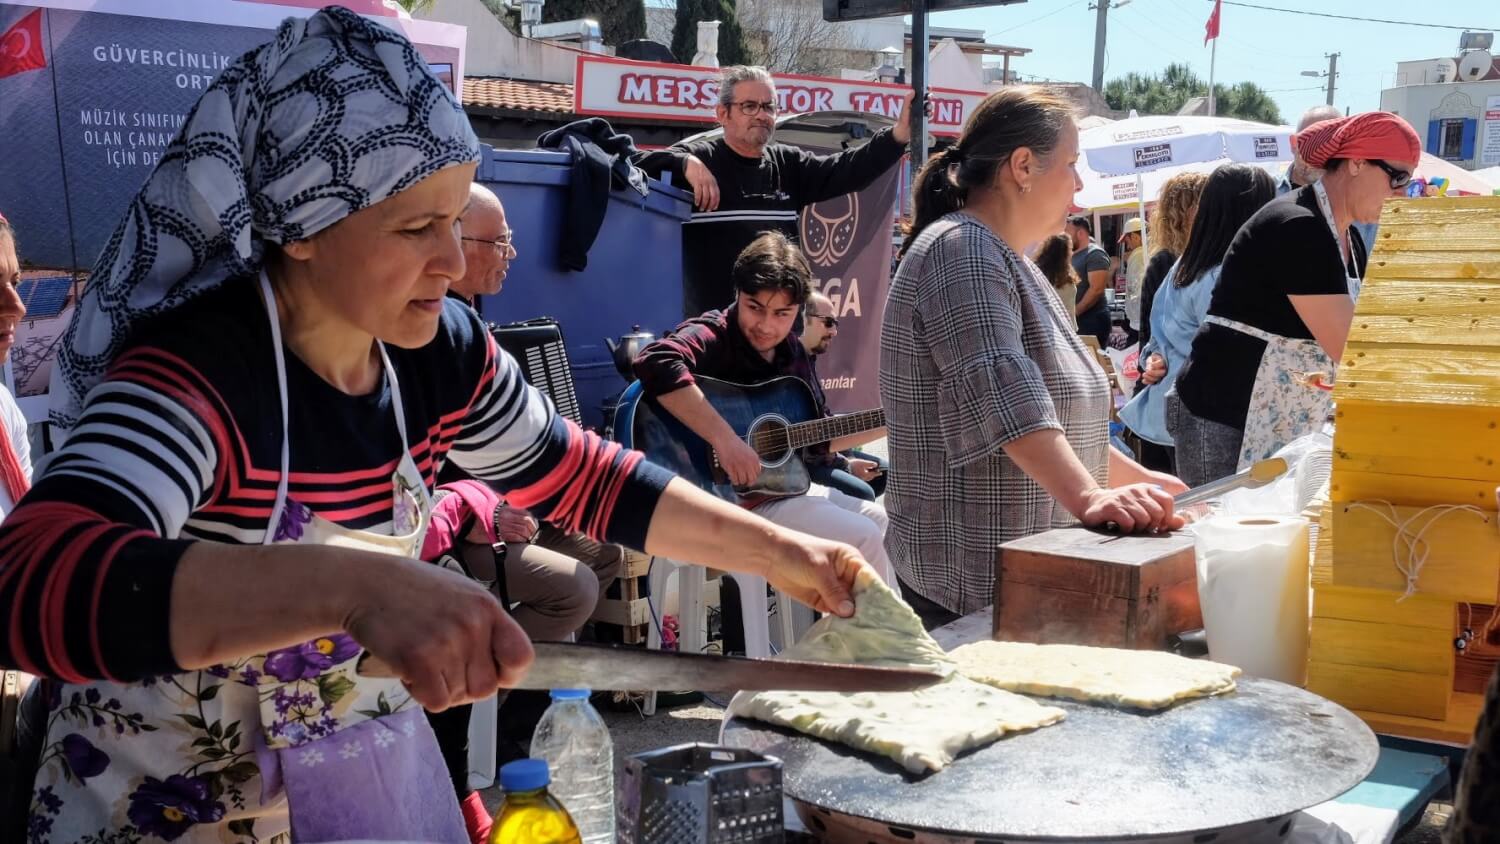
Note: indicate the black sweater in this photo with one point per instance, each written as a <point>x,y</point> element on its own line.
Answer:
<point>757,195</point>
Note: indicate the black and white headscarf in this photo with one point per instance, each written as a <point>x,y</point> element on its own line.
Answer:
<point>332,116</point>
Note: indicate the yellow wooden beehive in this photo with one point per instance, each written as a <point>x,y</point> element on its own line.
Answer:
<point>1418,425</point>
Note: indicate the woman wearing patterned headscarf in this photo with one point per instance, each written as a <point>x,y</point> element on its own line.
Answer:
<point>260,387</point>
<point>1284,302</point>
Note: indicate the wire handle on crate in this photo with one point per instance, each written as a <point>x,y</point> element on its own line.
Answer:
<point>1416,545</point>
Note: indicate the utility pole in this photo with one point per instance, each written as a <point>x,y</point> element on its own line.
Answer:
<point>1333,74</point>
<point>1099,28</point>
<point>918,116</point>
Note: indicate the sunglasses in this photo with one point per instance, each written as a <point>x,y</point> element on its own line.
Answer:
<point>1399,178</point>
<point>828,321</point>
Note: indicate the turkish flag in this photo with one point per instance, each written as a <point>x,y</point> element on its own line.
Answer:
<point>21,46</point>
<point>1211,31</point>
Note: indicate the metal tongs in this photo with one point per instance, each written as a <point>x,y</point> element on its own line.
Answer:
<point>1258,475</point>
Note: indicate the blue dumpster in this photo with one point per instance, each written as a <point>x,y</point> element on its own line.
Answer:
<point>634,274</point>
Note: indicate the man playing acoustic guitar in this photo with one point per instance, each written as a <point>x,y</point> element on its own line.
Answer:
<point>749,343</point>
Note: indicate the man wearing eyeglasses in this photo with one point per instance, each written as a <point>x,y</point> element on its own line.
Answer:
<point>488,250</point>
<point>553,578</point>
<point>744,184</point>
<point>852,472</point>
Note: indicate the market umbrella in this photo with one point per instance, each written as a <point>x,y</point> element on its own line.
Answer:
<point>1125,160</point>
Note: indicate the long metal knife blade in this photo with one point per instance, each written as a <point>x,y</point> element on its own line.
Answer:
<point>562,665</point>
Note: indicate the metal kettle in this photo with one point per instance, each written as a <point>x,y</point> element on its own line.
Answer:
<point>627,348</point>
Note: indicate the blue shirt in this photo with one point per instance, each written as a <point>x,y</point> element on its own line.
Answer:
<point>1176,315</point>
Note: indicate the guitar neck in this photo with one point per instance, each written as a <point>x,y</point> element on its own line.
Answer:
<point>833,427</point>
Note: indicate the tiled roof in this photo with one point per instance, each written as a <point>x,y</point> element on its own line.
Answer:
<point>517,95</point>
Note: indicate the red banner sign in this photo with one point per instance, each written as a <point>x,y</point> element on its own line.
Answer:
<point>623,88</point>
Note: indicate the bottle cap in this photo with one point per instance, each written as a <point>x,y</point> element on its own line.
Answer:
<point>570,694</point>
<point>525,775</point>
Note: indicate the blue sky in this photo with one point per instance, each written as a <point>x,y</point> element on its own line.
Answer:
<point>1265,47</point>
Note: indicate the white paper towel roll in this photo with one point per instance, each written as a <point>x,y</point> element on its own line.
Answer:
<point>1253,584</point>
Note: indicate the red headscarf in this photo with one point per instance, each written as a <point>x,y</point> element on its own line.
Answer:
<point>1373,134</point>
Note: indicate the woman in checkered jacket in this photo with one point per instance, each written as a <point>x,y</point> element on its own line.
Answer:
<point>998,414</point>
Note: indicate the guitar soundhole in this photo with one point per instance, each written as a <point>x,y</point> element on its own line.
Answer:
<point>769,439</point>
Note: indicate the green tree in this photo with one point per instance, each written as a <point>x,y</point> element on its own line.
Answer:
<point>619,20</point>
<point>416,7</point>
<point>732,48</point>
<point>1168,92</point>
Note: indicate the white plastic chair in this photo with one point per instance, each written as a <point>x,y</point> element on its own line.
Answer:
<point>692,612</point>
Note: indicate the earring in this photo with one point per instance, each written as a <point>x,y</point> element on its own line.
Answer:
<point>1025,188</point>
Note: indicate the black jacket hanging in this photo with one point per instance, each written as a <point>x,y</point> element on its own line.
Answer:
<point>601,161</point>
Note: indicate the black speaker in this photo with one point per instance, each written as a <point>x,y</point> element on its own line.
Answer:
<point>537,345</point>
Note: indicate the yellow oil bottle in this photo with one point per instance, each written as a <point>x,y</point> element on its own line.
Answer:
<point>529,814</point>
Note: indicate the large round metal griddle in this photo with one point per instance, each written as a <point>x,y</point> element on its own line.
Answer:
<point>1266,750</point>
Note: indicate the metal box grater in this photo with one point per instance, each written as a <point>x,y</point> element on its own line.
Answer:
<point>701,794</point>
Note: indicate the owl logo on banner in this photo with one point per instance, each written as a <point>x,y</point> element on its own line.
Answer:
<point>828,229</point>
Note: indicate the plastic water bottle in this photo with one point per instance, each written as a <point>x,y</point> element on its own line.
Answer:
<point>530,815</point>
<point>573,739</point>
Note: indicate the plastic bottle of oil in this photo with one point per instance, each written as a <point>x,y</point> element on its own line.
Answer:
<point>529,814</point>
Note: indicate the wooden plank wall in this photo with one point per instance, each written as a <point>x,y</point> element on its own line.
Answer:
<point>1418,424</point>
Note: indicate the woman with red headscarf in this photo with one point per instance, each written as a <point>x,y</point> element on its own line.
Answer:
<point>1285,299</point>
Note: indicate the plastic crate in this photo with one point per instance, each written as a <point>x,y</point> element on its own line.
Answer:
<point>701,794</point>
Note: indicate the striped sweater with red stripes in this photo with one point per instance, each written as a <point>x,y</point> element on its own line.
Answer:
<point>182,442</point>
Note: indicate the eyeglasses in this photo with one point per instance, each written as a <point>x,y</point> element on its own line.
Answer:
<point>1399,178</point>
<point>828,321</point>
<point>750,108</point>
<point>503,242</point>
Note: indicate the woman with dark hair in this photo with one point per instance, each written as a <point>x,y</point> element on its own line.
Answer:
<point>1054,259</point>
<point>1279,317</point>
<point>998,415</point>
<point>1233,193</point>
<point>260,385</point>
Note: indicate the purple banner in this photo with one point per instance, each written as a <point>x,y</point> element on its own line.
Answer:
<point>847,240</point>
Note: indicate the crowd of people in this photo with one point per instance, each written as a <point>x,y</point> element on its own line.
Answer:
<point>287,429</point>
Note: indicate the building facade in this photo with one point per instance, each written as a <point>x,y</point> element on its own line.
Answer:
<point>1458,119</point>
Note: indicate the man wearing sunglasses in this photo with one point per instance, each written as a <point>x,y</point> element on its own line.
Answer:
<point>744,184</point>
<point>852,472</point>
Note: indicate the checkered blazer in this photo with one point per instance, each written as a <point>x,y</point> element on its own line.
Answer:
<point>975,351</point>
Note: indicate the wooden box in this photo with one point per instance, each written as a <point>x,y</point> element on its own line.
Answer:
<point>1462,547</point>
<point>1077,586</point>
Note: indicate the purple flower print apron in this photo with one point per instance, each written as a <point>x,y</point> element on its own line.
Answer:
<point>290,745</point>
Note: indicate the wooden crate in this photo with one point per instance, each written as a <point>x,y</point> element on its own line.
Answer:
<point>1369,651</point>
<point>1417,424</point>
<point>1077,586</point>
<point>630,611</point>
<point>1463,557</point>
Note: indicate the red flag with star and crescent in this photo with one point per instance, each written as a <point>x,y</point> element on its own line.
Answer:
<point>1211,31</point>
<point>21,46</point>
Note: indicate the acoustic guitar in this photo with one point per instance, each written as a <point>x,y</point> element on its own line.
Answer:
<point>778,418</point>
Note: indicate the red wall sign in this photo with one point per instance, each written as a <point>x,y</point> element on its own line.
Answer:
<point>614,87</point>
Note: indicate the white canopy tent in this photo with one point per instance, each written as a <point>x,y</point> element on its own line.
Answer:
<point>1126,162</point>
<point>1460,181</point>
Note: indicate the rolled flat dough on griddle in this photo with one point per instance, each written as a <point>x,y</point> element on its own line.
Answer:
<point>922,730</point>
<point>1113,676</point>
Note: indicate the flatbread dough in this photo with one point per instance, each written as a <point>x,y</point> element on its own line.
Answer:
<point>1114,676</point>
<point>922,730</point>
